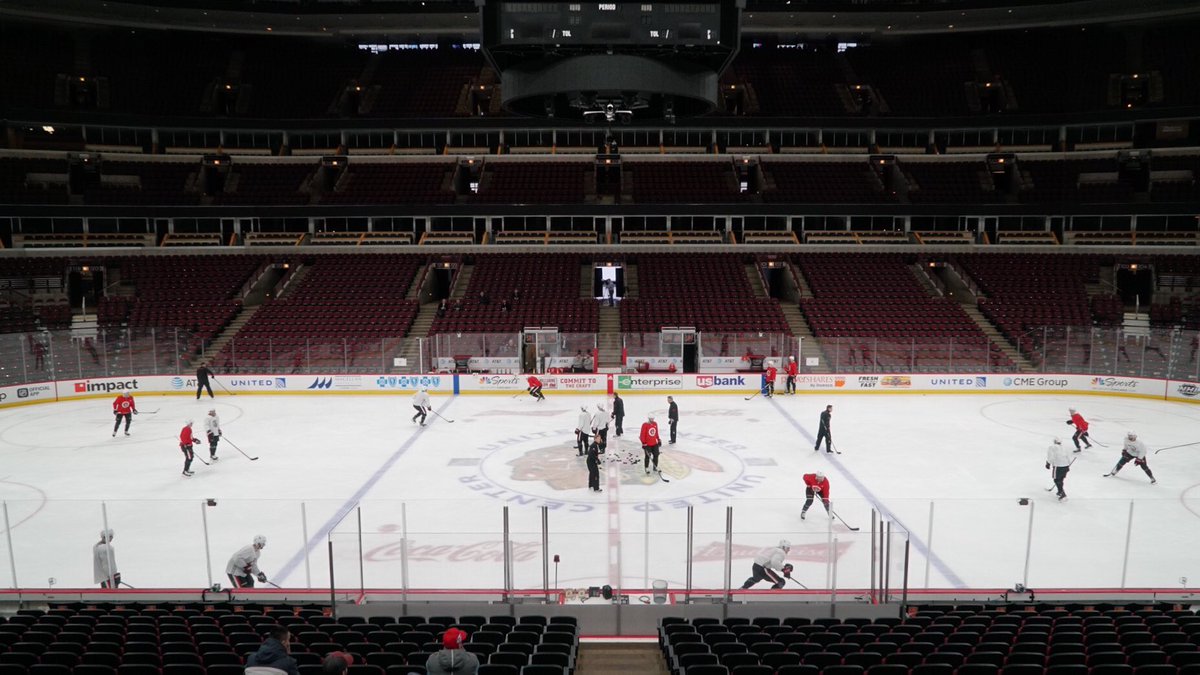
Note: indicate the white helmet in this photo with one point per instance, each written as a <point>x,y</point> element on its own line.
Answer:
<point>1057,440</point>
<point>1131,436</point>
<point>820,475</point>
<point>650,417</point>
<point>791,358</point>
<point>785,544</point>
<point>213,412</point>
<point>188,423</point>
<point>583,408</point>
<point>599,406</point>
<point>1071,410</point>
<point>424,388</point>
<point>260,541</point>
<point>106,535</point>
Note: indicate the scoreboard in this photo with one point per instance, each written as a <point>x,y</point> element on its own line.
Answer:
<point>634,24</point>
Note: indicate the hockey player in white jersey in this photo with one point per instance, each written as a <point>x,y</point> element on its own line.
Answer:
<point>583,430</point>
<point>243,566</point>
<point>600,426</point>
<point>1134,451</point>
<point>421,404</point>
<point>1059,463</point>
<point>104,562</point>
<point>765,565</point>
<point>212,428</point>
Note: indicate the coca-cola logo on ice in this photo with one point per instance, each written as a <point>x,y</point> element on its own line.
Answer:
<point>483,551</point>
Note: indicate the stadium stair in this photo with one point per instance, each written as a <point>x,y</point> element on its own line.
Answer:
<point>997,339</point>
<point>809,346</point>
<point>756,281</point>
<point>243,317</point>
<point>420,328</point>
<point>462,282</point>
<point>609,339</point>
<point>620,659</point>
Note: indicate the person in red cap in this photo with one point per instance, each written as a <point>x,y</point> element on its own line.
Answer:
<point>535,387</point>
<point>816,485</point>
<point>792,370</point>
<point>452,659</point>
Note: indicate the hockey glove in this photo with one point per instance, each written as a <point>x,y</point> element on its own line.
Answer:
<point>1047,465</point>
<point>1069,422</point>
<point>787,570</point>
<point>135,412</point>
<point>1139,462</point>
<point>262,577</point>
<point>116,414</point>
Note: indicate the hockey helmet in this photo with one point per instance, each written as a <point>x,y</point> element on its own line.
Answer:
<point>188,423</point>
<point>1131,436</point>
<point>785,544</point>
<point>791,358</point>
<point>1057,440</point>
<point>600,406</point>
<point>650,417</point>
<point>127,395</point>
<point>1071,410</point>
<point>213,412</point>
<point>820,475</point>
<point>424,388</point>
<point>260,541</point>
<point>106,535</point>
<point>583,408</point>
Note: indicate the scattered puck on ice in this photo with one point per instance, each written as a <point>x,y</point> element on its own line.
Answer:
<point>1023,501</point>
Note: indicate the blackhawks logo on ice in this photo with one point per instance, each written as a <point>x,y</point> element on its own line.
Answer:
<point>543,469</point>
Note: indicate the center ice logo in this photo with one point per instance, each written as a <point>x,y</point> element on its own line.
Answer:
<point>543,469</point>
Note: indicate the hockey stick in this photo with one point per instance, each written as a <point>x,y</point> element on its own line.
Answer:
<point>235,447</point>
<point>223,387</point>
<point>839,517</point>
<point>661,476</point>
<point>195,456</point>
<point>1055,487</point>
<point>834,446</point>
<point>797,583</point>
<point>439,415</point>
<point>1172,447</point>
<point>122,583</point>
<point>148,412</point>
<point>755,394</point>
<point>274,584</point>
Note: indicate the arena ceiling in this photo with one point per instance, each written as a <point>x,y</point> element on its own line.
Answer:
<point>432,20</point>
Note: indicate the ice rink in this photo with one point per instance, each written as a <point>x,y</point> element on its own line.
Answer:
<point>949,469</point>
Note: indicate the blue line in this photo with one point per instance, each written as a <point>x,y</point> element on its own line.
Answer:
<point>323,533</point>
<point>938,563</point>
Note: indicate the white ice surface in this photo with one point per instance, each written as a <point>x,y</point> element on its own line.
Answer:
<point>970,456</point>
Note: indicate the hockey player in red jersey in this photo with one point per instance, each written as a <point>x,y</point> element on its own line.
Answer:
<point>185,444</point>
<point>1081,429</point>
<point>124,407</point>
<point>769,387</point>
<point>535,387</point>
<point>816,484</point>
<point>792,369</point>
<point>651,443</point>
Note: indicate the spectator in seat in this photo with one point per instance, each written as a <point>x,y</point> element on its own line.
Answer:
<point>337,663</point>
<point>452,659</point>
<point>504,306</point>
<point>516,295</point>
<point>458,305</point>
<point>443,307</point>
<point>275,652</point>
<point>577,362</point>
<point>483,298</point>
